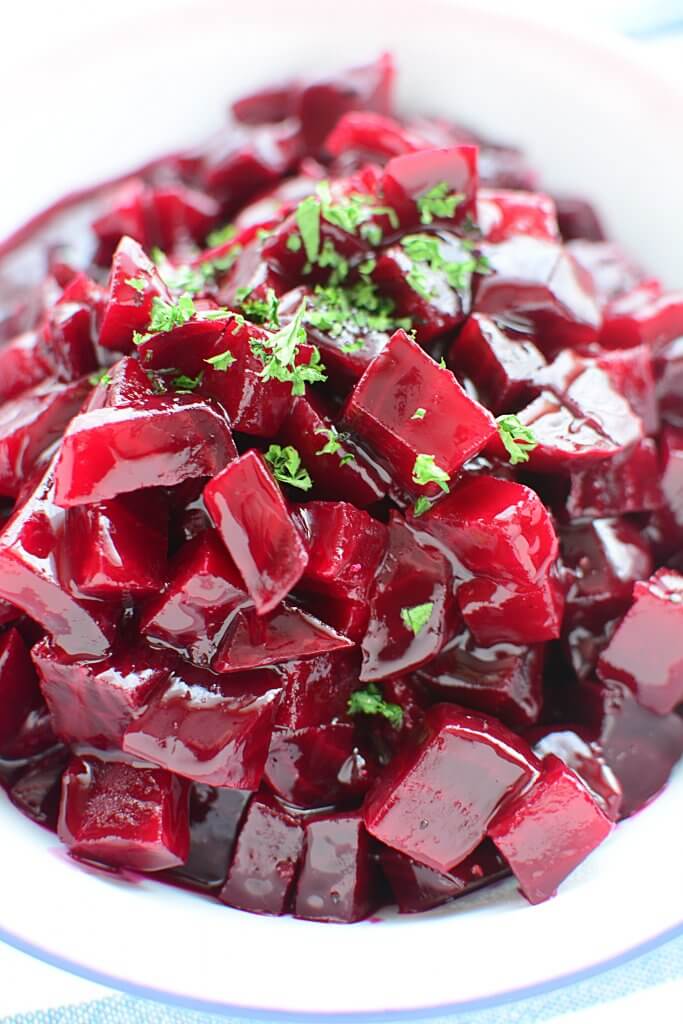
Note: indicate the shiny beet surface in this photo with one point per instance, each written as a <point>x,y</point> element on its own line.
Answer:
<point>341,514</point>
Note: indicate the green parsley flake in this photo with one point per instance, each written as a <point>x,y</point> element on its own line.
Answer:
<point>138,283</point>
<point>426,471</point>
<point>417,617</point>
<point>260,311</point>
<point>186,384</point>
<point>307,218</point>
<point>278,355</point>
<point>221,235</point>
<point>167,315</point>
<point>223,361</point>
<point>294,243</point>
<point>286,466</point>
<point>372,233</point>
<point>426,249</point>
<point>371,702</point>
<point>421,506</point>
<point>348,347</point>
<point>333,445</point>
<point>103,377</point>
<point>419,414</point>
<point>438,202</point>
<point>358,308</point>
<point>517,438</point>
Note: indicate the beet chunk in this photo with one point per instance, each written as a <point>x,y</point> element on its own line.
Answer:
<point>22,365</point>
<point>652,669</point>
<point>417,887</point>
<point>215,818</point>
<point>321,103</point>
<point>208,728</point>
<point>122,815</point>
<point>435,802</point>
<point>37,791</point>
<point>337,880</point>
<point>250,513</point>
<point>380,409</point>
<point>19,692</point>
<point>304,765</point>
<point>629,482</point>
<point>645,315</point>
<point>497,611</point>
<point>500,361</point>
<point>574,746</point>
<point>409,178</point>
<point>129,307</point>
<point>317,690</point>
<point>94,702</point>
<point>504,213</point>
<point>161,442</point>
<point>545,833</point>
<point>266,860</point>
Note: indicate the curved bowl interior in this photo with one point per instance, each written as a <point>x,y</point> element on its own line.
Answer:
<point>581,108</point>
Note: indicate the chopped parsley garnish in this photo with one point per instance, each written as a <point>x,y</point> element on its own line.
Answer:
<point>193,280</point>
<point>517,438</point>
<point>357,307</point>
<point>333,445</point>
<point>371,702</point>
<point>138,283</point>
<point>278,355</point>
<point>329,257</point>
<point>426,471</point>
<point>348,347</point>
<point>186,384</point>
<point>419,414</point>
<point>286,466</point>
<point>438,202</point>
<point>307,218</point>
<point>426,249</point>
<point>220,235</point>
<point>417,617</point>
<point>259,311</point>
<point>421,506</point>
<point>103,377</point>
<point>372,233</point>
<point>350,212</point>
<point>223,361</point>
<point>294,243</point>
<point>167,315</point>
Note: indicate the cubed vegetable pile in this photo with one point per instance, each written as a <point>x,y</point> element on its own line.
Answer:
<point>341,478</point>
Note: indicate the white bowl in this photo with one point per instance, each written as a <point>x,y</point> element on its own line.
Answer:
<point>597,121</point>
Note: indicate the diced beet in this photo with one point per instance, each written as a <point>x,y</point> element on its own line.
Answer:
<point>292,262</point>
<point>304,765</point>
<point>630,372</point>
<point>160,442</point>
<point>545,833</point>
<point>412,575</point>
<point>198,607</point>
<point>669,520</point>
<point>500,361</point>
<point>627,483</point>
<point>612,271</point>
<point>357,480</point>
<point>209,728</point>
<point>409,178</point>
<point>337,880</point>
<point>31,423</point>
<point>495,528</point>
<point>186,348</point>
<point>22,365</point>
<point>29,553</point>
<point>669,373</point>
<point>537,283</point>
<point>37,791</point>
<point>69,333</point>
<point>129,385</point>
<point>124,215</point>
<point>362,135</point>
<point>504,612</point>
<point>640,747</point>
<point>240,160</point>
<point>215,818</point>
<point>321,103</point>
<point>436,307</point>
<point>266,860</point>
<point>416,887</point>
<point>266,106</point>
<point>317,690</point>
<point>19,692</point>
<point>94,702</point>
<point>129,307</point>
<point>249,275</point>
<point>652,669</point>
<point>503,214</point>
<point>577,218</point>
<point>434,802</point>
<point>118,547</point>
<point>505,680</point>
<point>178,215</point>
<point>381,408</point>
<point>123,815</point>
<point>646,315</point>
<point>601,561</point>
<point>250,513</point>
<point>583,756</point>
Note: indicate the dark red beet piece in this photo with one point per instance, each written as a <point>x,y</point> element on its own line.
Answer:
<point>468,763</point>
<point>337,880</point>
<point>500,361</point>
<point>612,271</point>
<point>669,385</point>
<point>215,818</point>
<point>316,691</point>
<point>250,513</point>
<point>652,669</point>
<point>503,214</point>
<point>29,552</point>
<point>321,103</point>
<point>416,887</point>
<point>668,522</point>
<point>361,135</point>
<point>22,365</point>
<point>94,702</point>
<point>412,575</point>
<point>631,373</point>
<point>503,612</point>
<point>578,219</point>
<point>37,791</point>
<point>409,178</point>
<point>19,692</point>
<point>129,307</point>
<point>266,860</point>
<point>209,728</point>
<point>629,482</point>
<point>304,765</point>
<point>123,815</point>
<point>640,747</point>
<point>545,833</point>
<point>381,408</point>
<point>574,746</point>
<point>239,161</point>
<point>69,331</point>
<point>160,442</point>
<point>601,562</point>
<point>645,315</point>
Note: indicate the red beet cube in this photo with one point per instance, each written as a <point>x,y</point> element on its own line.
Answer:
<point>69,331</point>
<point>266,860</point>
<point>129,306</point>
<point>497,611</point>
<point>215,819</point>
<point>380,409</point>
<point>502,214</point>
<point>338,874</point>
<point>500,362</point>
<point>669,373</point>
<point>545,833</point>
<point>123,815</point>
<point>322,102</point>
<point>209,728</point>
<point>304,765</point>
<point>29,557</point>
<point>653,670</point>
<point>417,887</point>
<point>316,691</point>
<point>578,219</point>
<point>645,315</point>
<point>19,692</point>
<point>362,134</point>
<point>240,161</point>
<point>94,702</point>
<point>411,606</point>
<point>630,372</point>
<point>22,365</point>
<point>128,385</point>
<point>37,791</point>
<point>435,802</point>
<point>612,271</point>
<point>580,753</point>
<point>160,442</point>
<point>408,179</point>
<point>629,482</point>
<point>251,515</point>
